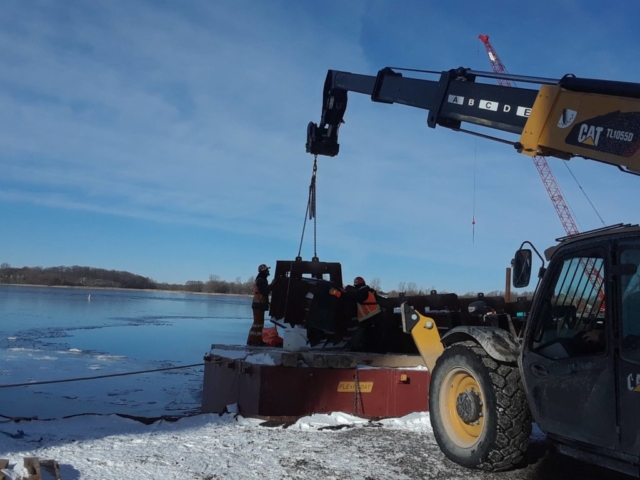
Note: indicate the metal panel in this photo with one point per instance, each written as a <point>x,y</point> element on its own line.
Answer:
<point>276,391</point>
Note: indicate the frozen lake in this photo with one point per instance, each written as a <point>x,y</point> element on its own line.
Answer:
<point>59,333</point>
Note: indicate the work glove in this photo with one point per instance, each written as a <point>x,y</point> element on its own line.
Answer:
<point>336,293</point>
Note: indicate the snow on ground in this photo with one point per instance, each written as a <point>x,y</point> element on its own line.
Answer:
<point>209,446</point>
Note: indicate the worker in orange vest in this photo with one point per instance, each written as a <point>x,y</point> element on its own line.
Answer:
<point>260,305</point>
<point>368,312</point>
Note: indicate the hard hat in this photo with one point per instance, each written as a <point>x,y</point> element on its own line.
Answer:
<point>358,282</point>
<point>263,267</point>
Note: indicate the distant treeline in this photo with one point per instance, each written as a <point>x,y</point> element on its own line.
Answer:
<point>216,285</point>
<point>77,276</point>
<point>73,277</point>
<point>411,289</point>
<point>97,277</point>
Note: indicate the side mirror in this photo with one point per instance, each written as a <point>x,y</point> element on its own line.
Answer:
<point>521,264</point>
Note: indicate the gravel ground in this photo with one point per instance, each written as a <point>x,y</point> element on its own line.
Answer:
<point>416,455</point>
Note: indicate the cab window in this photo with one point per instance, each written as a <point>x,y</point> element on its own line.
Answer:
<point>630,290</point>
<point>573,321</point>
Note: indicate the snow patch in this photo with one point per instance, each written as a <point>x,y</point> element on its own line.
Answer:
<point>417,421</point>
<point>260,359</point>
<point>231,354</point>
<point>319,420</point>
<point>255,358</point>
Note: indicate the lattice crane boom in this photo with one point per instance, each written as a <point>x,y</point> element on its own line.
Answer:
<point>549,181</point>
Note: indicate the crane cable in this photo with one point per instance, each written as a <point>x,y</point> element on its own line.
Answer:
<point>473,221</point>
<point>566,165</point>
<point>475,168</point>
<point>311,211</point>
<point>585,194</point>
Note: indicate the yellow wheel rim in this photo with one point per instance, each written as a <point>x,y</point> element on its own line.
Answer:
<point>462,407</point>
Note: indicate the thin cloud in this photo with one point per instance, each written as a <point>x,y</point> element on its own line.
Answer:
<point>196,114</point>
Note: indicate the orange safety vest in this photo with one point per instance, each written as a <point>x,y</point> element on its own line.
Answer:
<point>368,308</point>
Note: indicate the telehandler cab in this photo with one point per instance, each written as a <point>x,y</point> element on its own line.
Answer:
<point>575,368</point>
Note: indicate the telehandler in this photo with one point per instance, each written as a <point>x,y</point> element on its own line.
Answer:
<point>575,367</point>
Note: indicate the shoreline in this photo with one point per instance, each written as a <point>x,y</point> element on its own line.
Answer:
<point>126,289</point>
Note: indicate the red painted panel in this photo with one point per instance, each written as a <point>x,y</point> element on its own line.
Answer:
<point>289,391</point>
<point>315,390</point>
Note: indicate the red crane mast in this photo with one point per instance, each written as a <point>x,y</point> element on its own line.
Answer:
<point>541,164</point>
<point>549,180</point>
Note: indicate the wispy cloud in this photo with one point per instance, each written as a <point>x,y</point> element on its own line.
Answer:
<point>195,114</point>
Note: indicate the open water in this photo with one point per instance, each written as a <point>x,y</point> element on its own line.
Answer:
<point>59,333</point>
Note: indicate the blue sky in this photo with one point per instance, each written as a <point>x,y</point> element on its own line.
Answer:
<point>167,138</point>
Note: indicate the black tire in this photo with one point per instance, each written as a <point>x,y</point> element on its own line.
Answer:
<point>504,422</point>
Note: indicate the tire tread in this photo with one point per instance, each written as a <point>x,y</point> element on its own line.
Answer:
<point>513,416</point>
